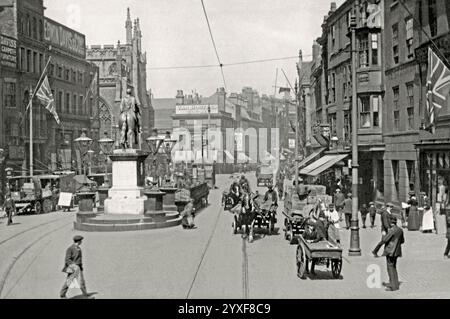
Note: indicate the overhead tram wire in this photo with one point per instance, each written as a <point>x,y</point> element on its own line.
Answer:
<point>224,64</point>
<point>214,45</point>
<point>424,32</point>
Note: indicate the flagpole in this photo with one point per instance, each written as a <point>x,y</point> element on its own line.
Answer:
<point>39,82</point>
<point>31,130</point>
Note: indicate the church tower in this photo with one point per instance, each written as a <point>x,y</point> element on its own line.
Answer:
<point>129,28</point>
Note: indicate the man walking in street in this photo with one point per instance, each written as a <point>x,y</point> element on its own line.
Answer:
<point>447,248</point>
<point>339,199</point>
<point>9,207</point>
<point>385,224</point>
<point>73,266</point>
<point>393,250</point>
<point>372,214</point>
<point>348,210</point>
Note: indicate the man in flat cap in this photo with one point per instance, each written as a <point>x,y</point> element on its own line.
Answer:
<point>393,250</point>
<point>73,267</point>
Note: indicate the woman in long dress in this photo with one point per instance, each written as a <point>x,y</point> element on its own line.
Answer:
<point>428,219</point>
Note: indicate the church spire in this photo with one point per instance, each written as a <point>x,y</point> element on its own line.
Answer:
<point>129,27</point>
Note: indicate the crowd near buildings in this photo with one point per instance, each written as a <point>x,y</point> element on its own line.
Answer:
<point>397,155</point>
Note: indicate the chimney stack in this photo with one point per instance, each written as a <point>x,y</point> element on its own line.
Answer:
<point>180,97</point>
<point>333,7</point>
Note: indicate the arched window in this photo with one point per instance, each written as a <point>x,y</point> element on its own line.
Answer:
<point>28,31</point>
<point>35,26</point>
<point>105,117</point>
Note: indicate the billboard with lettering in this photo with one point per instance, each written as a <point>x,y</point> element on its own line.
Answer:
<point>191,109</point>
<point>65,38</point>
<point>8,52</point>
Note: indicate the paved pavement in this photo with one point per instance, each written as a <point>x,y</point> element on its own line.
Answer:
<point>208,262</point>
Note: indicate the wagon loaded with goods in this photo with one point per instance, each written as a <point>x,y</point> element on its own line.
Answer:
<point>199,194</point>
<point>264,175</point>
<point>265,214</point>
<point>298,205</point>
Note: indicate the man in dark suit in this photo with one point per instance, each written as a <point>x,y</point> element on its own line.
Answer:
<point>74,256</point>
<point>393,250</point>
<point>385,225</point>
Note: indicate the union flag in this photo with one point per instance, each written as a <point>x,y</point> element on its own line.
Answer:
<point>438,88</point>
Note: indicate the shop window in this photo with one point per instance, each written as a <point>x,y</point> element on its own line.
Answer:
<point>411,174</point>
<point>380,176</point>
<point>9,94</point>
<point>396,174</point>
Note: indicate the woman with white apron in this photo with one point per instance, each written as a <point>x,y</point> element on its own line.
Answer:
<point>428,219</point>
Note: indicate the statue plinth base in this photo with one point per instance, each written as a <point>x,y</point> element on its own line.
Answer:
<point>126,196</point>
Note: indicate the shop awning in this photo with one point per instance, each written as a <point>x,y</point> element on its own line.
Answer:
<point>309,158</point>
<point>322,164</point>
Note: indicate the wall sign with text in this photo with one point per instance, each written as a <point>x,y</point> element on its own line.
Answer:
<point>8,51</point>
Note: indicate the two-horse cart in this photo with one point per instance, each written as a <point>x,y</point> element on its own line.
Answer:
<point>321,253</point>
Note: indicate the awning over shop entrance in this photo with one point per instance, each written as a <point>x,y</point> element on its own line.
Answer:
<point>309,158</point>
<point>322,164</point>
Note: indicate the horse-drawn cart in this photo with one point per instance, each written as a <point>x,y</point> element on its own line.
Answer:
<point>322,253</point>
<point>298,205</point>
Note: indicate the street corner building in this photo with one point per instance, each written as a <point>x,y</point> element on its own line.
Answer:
<point>32,44</point>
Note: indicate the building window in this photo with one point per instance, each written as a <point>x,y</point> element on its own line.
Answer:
<point>9,94</point>
<point>432,17</point>
<point>35,28</point>
<point>60,71</point>
<point>41,63</point>
<point>396,108</point>
<point>374,48</point>
<point>51,69</point>
<point>67,74</point>
<point>29,60</point>
<point>60,101</point>
<point>410,105</point>
<point>75,107</point>
<point>332,86</point>
<point>333,37</point>
<point>395,174</point>
<point>81,105</point>
<point>74,76</point>
<point>36,62</point>
<point>41,30</point>
<point>376,106</point>
<point>23,60</point>
<point>347,128</point>
<point>364,111</point>
<point>364,52</point>
<point>409,38</point>
<point>395,54</point>
<point>28,25</point>
<point>380,176</point>
<point>80,77</point>
<point>332,122</point>
<point>67,106</point>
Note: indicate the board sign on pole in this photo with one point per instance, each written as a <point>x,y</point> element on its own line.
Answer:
<point>65,200</point>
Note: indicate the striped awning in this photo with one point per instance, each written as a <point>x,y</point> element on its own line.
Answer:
<point>322,164</point>
<point>310,157</point>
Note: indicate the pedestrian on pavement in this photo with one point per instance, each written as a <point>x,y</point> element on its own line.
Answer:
<point>392,251</point>
<point>333,227</point>
<point>73,267</point>
<point>187,221</point>
<point>339,199</point>
<point>9,207</point>
<point>348,210</point>
<point>447,249</point>
<point>385,224</point>
<point>364,212</point>
<point>428,218</point>
<point>372,214</point>
<point>413,213</point>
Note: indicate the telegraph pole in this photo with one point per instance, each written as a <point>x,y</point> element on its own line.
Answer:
<point>355,249</point>
<point>296,135</point>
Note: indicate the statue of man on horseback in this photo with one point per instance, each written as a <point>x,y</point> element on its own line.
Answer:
<point>129,121</point>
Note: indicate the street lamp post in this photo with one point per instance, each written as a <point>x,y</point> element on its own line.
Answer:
<point>154,142</point>
<point>355,249</point>
<point>169,144</point>
<point>83,144</point>
<point>106,147</point>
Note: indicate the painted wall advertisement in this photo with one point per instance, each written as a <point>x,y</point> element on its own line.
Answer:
<point>8,51</point>
<point>64,37</point>
<point>196,109</point>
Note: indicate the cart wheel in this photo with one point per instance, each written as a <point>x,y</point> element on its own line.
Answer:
<point>38,207</point>
<point>47,206</point>
<point>336,267</point>
<point>301,262</point>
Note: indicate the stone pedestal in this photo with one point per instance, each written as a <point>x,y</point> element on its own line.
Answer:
<point>126,196</point>
<point>154,201</point>
<point>86,201</point>
<point>169,198</point>
<point>102,196</point>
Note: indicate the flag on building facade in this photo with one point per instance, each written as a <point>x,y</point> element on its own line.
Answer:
<point>45,96</point>
<point>438,88</point>
<point>92,89</point>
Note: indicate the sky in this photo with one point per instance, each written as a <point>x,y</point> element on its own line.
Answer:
<point>175,33</point>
